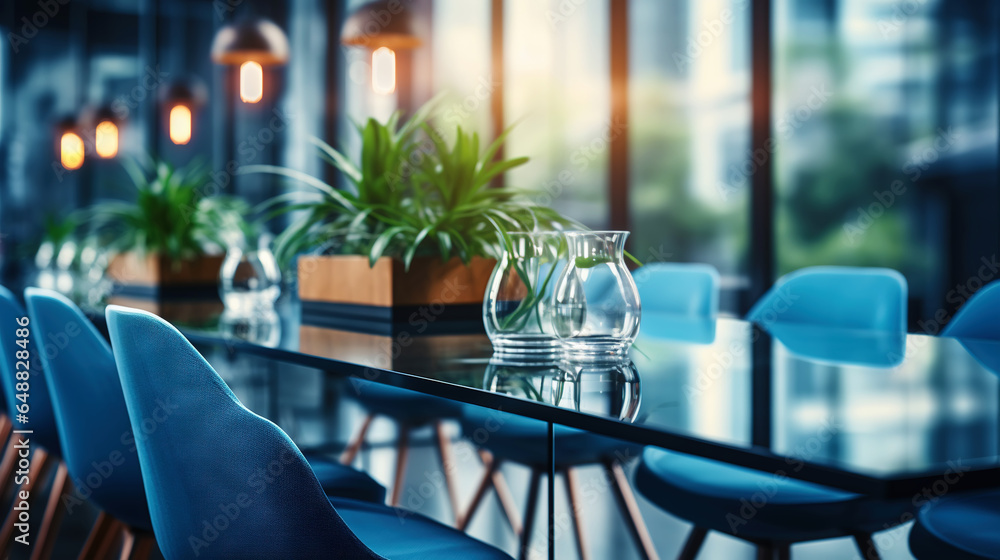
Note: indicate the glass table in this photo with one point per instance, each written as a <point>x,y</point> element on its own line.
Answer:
<point>891,416</point>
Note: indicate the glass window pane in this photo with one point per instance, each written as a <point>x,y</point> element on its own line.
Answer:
<point>556,89</point>
<point>690,132</point>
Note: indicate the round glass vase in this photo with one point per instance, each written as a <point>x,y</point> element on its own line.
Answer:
<point>595,303</point>
<point>517,307</point>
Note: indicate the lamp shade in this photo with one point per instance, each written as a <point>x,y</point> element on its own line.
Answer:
<point>257,40</point>
<point>188,91</point>
<point>383,23</point>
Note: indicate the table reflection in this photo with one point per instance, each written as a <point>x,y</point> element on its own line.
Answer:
<point>606,388</point>
<point>262,328</point>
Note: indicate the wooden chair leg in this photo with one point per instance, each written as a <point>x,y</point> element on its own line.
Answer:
<point>630,509</point>
<point>115,531</point>
<point>530,509</point>
<point>477,497</point>
<point>37,467</point>
<point>506,500</point>
<point>402,450</point>
<point>144,544</point>
<point>53,515</point>
<point>867,546</point>
<point>7,466</point>
<point>347,457</point>
<point>575,510</point>
<point>696,538</point>
<point>97,535</point>
<point>447,466</point>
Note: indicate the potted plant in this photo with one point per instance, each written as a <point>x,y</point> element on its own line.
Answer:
<point>416,228</point>
<point>169,243</point>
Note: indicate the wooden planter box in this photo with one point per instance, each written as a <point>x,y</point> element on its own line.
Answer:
<point>184,291</point>
<point>433,297</point>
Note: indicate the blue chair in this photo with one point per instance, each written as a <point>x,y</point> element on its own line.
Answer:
<point>93,422</point>
<point>223,482</point>
<point>836,296</point>
<point>979,317</point>
<point>960,527</point>
<point>706,492</point>
<point>44,441</point>
<point>679,289</point>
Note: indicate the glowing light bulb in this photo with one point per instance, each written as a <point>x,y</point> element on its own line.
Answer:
<point>180,124</point>
<point>106,139</point>
<point>251,82</point>
<point>71,150</point>
<point>383,71</point>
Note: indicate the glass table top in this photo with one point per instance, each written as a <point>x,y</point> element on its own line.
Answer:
<point>870,412</point>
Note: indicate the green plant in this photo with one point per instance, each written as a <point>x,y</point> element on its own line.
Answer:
<point>411,194</point>
<point>171,215</point>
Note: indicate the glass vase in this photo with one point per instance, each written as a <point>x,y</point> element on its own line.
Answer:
<point>517,307</point>
<point>249,282</point>
<point>595,304</point>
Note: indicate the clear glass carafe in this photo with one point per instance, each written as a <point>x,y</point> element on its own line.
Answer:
<point>595,304</point>
<point>249,282</point>
<point>517,307</point>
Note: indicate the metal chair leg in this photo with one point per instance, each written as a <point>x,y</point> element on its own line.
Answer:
<point>402,450</point>
<point>693,544</point>
<point>630,509</point>
<point>128,543</point>
<point>347,457</point>
<point>53,515</point>
<point>569,477</point>
<point>530,510</point>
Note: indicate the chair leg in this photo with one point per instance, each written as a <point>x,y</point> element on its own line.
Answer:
<point>38,465</point>
<point>696,538</point>
<point>53,515</point>
<point>402,449</point>
<point>97,535</point>
<point>144,544</point>
<point>7,465</point>
<point>447,466</point>
<point>630,509</point>
<point>575,510</point>
<point>506,500</point>
<point>783,552</point>
<point>477,497</point>
<point>128,543</point>
<point>115,530</point>
<point>347,457</point>
<point>867,546</point>
<point>530,509</point>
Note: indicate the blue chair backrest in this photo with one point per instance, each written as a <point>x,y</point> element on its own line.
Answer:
<point>41,418</point>
<point>98,443</point>
<point>686,289</point>
<point>979,317</point>
<point>836,296</point>
<point>221,481</point>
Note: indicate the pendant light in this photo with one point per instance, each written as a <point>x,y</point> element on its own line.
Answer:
<point>384,27</point>
<point>69,144</point>
<point>250,44</point>
<point>181,100</point>
<point>106,132</point>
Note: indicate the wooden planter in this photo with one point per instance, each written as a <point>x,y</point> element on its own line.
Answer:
<point>433,297</point>
<point>184,291</point>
